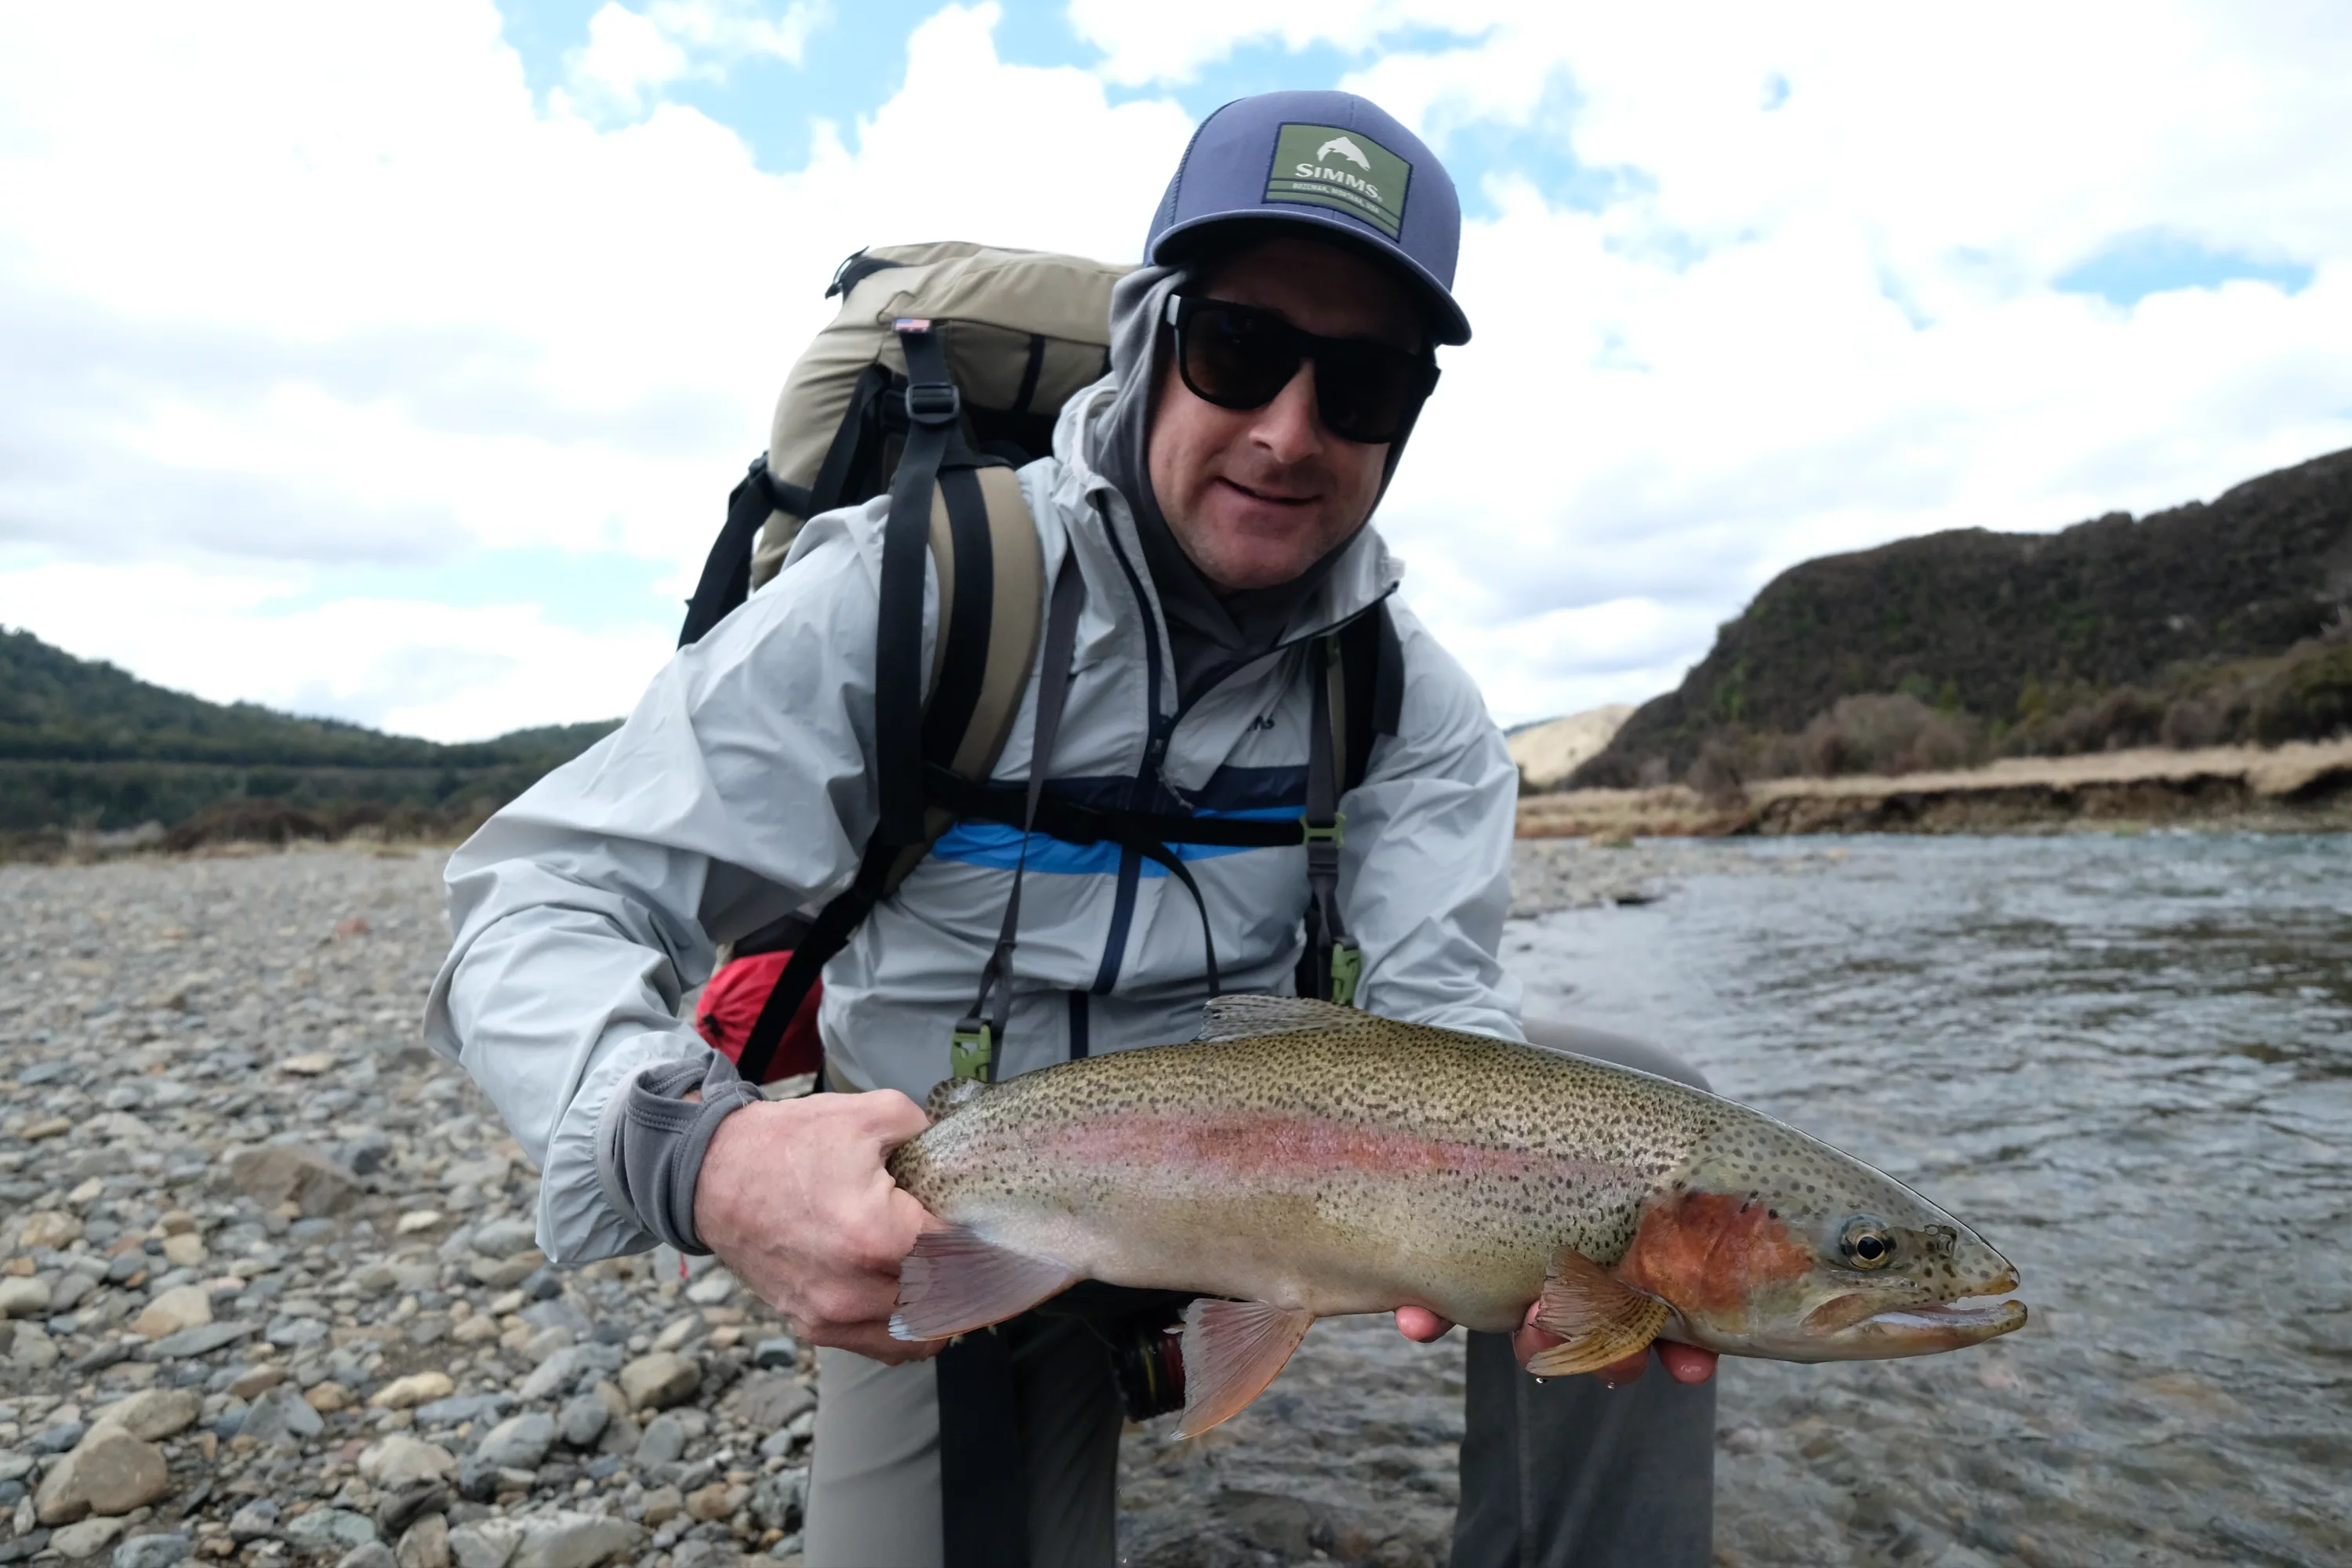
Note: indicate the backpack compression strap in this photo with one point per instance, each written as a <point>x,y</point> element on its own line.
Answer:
<point>967,514</point>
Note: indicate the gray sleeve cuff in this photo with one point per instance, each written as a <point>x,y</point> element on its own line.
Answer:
<point>650,1143</point>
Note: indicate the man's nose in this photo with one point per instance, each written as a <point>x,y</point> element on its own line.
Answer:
<point>1291,427</point>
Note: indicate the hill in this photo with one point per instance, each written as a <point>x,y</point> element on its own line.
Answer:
<point>2219,623</point>
<point>85,744</point>
<point>1547,752</point>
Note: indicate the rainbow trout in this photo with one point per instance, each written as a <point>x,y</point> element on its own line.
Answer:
<point>1301,1160</point>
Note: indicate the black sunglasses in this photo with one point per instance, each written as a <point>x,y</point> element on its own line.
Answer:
<point>1239,357</point>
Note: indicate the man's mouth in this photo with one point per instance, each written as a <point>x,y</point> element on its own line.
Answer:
<point>1271,497</point>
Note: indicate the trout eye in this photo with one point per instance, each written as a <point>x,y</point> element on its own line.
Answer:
<point>1866,1243</point>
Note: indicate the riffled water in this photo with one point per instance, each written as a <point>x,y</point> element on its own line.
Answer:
<point>2126,1061</point>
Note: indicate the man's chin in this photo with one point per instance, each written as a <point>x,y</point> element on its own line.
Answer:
<point>1261,552</point>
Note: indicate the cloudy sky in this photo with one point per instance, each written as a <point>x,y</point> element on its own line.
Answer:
<point>393,360</point>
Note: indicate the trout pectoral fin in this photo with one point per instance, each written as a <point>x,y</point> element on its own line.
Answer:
<point>1602,1320</point>
<point>1232,1350</point>
<point>954,1281</point>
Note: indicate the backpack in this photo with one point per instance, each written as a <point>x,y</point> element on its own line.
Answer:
<point>944,371</point>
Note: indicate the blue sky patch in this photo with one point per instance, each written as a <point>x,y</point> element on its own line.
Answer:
<point>2157,261</point>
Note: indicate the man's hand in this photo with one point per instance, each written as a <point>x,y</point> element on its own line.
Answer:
<point>794,1200</point>
<point>1684,1363</point>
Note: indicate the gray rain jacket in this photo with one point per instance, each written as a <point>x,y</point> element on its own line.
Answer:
<point>741,789</point>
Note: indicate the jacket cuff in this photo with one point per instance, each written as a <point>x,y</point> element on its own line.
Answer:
<point>650,1143</point>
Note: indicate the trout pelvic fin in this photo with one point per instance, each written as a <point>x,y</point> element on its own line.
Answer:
<point>1237,1017</point>
<point>953,1281</point>
<point>1602,1320</point>
<point>1232,1350</point>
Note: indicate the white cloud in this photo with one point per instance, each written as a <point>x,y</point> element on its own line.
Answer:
<point>631,55</point>
<point>320,284</point>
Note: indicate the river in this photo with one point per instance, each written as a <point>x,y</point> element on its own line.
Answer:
<point>2126,1061</point>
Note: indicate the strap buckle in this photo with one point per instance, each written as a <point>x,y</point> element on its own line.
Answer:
<point>929,403</point>
<point>933,403</point>
<point>971,1050</point>
<point>1347,970</point>
<point>1334,833</point>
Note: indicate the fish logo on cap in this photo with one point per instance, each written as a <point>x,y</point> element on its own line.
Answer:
<point>1346,148</point>
<point>1304,172</point>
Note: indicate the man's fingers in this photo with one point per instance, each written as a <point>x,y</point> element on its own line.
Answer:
<point>891,1117</point>
<point>1422,1324</point>
<point>1686,1363</point>
<point>1625,1370</point>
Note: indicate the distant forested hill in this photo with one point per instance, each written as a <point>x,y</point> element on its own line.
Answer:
<point>2208,624</point>
<point>85,744</point>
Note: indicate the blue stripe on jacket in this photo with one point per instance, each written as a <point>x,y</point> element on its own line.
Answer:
<point>1255,794</point>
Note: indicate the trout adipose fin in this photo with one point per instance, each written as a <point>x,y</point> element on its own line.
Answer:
<point>1602,1320</point>
<point>1232,1351</point>
<point>954,1281</point>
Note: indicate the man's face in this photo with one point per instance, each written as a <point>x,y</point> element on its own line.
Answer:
<point>1256,496</point>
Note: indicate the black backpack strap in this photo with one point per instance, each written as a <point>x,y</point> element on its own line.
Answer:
<point>934,408</point>
<point>972,1050</point>
<point>726,579</point>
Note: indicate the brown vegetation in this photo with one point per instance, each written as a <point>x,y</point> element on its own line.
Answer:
<point>2299,787</point>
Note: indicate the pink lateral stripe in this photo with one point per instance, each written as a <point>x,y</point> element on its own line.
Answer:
<point>1284,1149</point>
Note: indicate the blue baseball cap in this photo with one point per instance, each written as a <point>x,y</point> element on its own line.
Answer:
<point>1330,161</point>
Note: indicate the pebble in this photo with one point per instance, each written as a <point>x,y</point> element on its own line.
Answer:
<point>337,1530</point>
<point>407,1393</point>
<point>152,1550</point>
<point>281,1416</point>
<point>184,1307</point>
<point>109,1472</point>
<point>659,1380</point>
<point>518,1442</point>
<point>254,1521</point>
<point>424,1544</point>
<point>88,1538</point>
<point>584,1418</point>
<point>399,1459</point>
<point>24,1298</point>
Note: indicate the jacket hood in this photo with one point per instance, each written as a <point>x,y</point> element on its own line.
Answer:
<point>1101,441</point>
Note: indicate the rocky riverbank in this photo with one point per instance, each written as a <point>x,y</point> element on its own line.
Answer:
<point>270,1288</point>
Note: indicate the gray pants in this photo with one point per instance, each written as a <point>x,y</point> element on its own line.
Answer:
<point>1565,1474</point>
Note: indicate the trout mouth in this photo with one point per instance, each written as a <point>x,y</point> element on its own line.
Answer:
<point>1848,1326</point>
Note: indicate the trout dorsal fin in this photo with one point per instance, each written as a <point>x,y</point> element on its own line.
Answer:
<point>1237,1017</point>
<point>951,1095</point>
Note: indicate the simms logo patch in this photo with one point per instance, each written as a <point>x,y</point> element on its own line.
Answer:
<point>1325,166</point>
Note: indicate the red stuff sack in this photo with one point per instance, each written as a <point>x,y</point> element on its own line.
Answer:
<point>730,1004</point>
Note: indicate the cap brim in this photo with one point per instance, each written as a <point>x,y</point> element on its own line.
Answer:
<point>1448,324</point>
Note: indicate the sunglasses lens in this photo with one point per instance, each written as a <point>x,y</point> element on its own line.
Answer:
<point>1366,394</point>
<point>1239,359</point>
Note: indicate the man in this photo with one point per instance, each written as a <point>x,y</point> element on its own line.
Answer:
<point>1212,494</point>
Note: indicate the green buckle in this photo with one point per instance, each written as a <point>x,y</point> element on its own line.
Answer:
<point>1347,970</point>
<point>1337,833</point>
<point>969,1053</point>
